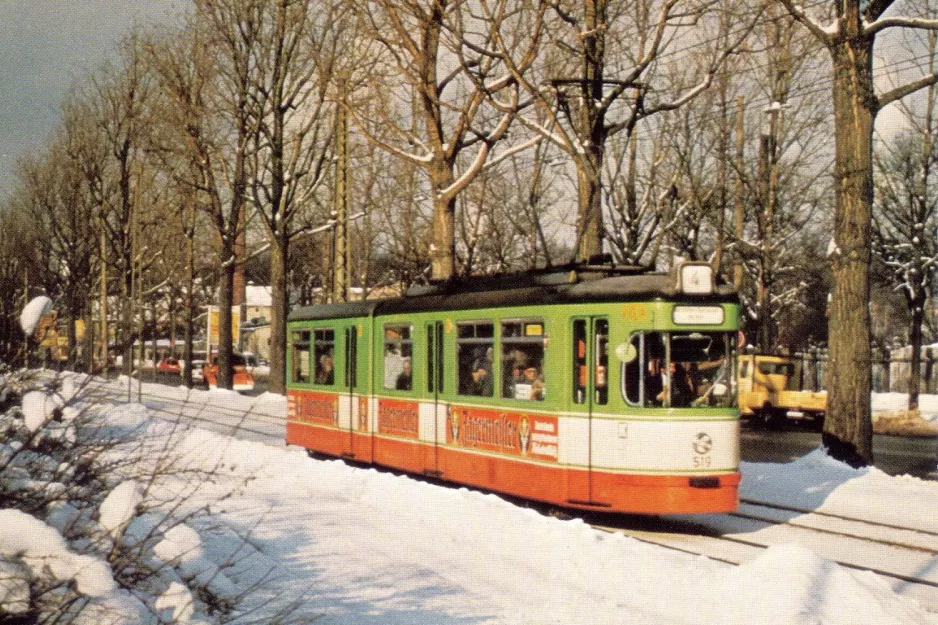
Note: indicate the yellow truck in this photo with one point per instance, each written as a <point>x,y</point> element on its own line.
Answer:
<point>770,391</point>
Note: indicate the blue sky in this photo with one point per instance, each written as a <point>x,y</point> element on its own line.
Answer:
<point>45,46</point>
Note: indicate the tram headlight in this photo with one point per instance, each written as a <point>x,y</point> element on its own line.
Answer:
<point>695,278</point>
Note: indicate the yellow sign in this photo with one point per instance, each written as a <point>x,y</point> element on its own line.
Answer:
<point>213,321</point>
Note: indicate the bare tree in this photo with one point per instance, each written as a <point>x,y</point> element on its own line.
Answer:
<point>850,38</point>
<point>184,142</point>
<point>17,270</point>
<point>110,151</point>
<point>786,193</point>
<point>603,75</point>
<point>400,213</point>
<point>221,143</point>
<point>905,217</point>
<point>54,196</point>
<point>300,45</point>
<point>464,98</point>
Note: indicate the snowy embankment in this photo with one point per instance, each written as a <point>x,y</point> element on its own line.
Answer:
<point>267,528</point>
<point>891,415</point>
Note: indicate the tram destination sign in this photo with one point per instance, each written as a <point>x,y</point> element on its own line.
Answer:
<point>698,315</point>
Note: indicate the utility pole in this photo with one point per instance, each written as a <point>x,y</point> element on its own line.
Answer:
<point>740,193</point>
<point>103,295</point>
<point>340,251</point>
<point>768,183</point>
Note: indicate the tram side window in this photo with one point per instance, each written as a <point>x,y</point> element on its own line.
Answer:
<point>632,372</point>
<point>300,356</point>
<point>679,370</point>
<point>601,362</point>
<point>523,359</point>
<point>324,356</point>
<point>644,376</point>
<point>475,350</point>
<point>711,367</point>
<point>398,355</point>
<point>580,367</point>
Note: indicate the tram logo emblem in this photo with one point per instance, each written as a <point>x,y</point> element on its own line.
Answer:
<point>703,443</point>
<point>524,435</point>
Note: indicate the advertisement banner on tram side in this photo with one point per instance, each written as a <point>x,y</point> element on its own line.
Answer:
<point>517,434</point>
<point>313,408</point>
<point>399,418</point>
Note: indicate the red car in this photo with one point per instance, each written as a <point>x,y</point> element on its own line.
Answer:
<point>243,379</point>
<point>168,365</point>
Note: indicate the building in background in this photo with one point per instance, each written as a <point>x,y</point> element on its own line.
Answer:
<point>255,329</point>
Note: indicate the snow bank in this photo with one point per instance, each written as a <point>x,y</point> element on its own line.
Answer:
<point>815,591</point>
<point>893,404</point>
<point>33,312</point>
<point>349,545</point>
<point>373,538</point>
<point>819,483</point>
<point>42,549</point>
<point>39,407</point>
<point>120,506</point>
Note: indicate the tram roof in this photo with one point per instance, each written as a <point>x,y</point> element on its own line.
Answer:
<point>577,285</point>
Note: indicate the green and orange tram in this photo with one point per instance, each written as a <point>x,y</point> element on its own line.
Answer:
<point>588,387</point>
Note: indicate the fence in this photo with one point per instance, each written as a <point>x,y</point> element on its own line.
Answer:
<point>891,370</point>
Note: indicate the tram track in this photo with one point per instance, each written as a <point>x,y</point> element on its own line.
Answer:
<point>204,411</point>
<point>739,537</point>
<point>800,510</point>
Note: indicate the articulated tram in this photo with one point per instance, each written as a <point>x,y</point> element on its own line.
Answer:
<point>589,387</point>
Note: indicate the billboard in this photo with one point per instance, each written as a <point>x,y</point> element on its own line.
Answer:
<point>213,319</point>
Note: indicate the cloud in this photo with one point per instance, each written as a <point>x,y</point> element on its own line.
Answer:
<point>47,44</point>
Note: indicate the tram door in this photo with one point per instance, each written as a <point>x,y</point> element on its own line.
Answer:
<point>351,388</point>
<point>434,390</point>
<point>590,357</point>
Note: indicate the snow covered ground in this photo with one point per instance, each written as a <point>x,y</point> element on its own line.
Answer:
<point>889,404</point>
<point>357,546</point>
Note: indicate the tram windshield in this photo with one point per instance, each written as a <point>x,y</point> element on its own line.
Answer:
<point>679,369</point>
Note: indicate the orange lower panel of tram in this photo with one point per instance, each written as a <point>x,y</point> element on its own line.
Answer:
<point>556,484</point>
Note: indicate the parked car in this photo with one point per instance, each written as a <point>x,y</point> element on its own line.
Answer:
<point>198,361</point>
<point>168,365</point>
<point>243,379</point>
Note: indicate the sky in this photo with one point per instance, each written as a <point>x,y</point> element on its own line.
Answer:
<point>356,546</point>
<point>44,47</point>
<point>47,44</point>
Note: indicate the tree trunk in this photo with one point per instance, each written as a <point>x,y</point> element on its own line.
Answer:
<point>71,339</point>
<point>443,253</point>
<point>88,342</point>
<point>915,373</point>
<point>127,319</point>
<point>848,427</point>
<point>590,219</point>
<point>225,302</point>
<point>189,315</point>
<point>279,252</point>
